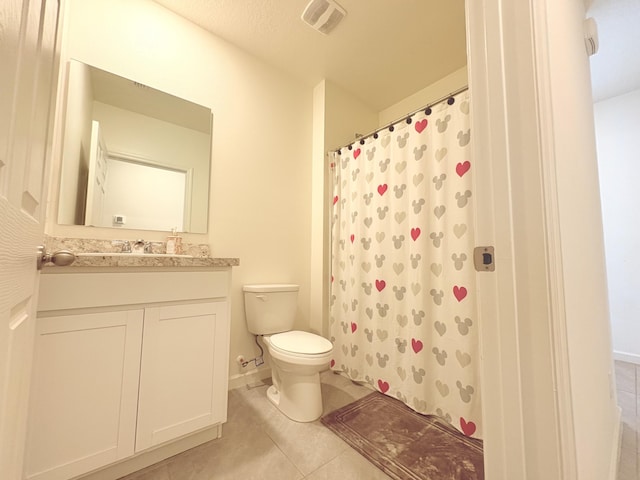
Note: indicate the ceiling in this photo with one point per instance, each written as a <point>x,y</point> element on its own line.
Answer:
<point>385,50</point>
<point>381,52</point>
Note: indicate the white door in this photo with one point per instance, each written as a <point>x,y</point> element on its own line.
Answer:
<point>97,179</point>
<point>28,30</point>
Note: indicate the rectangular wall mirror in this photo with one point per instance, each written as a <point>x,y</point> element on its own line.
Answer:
<point>133,157</point>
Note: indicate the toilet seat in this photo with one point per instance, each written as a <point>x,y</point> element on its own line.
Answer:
<point>299,343</point>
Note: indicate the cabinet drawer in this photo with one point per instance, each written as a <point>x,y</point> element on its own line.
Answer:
<point>71,290</point>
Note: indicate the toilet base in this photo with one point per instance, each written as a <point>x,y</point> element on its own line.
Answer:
<point>301,401</point>
<point>274,396</point>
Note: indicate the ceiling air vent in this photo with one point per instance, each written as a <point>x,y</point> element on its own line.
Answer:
<point>323,15</point>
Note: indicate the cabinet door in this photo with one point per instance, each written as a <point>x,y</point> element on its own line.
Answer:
<point>183,376</point>
<point>84,392</point>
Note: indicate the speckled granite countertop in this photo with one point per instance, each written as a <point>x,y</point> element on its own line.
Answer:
<point>107,253</point>
<point>150,260</point>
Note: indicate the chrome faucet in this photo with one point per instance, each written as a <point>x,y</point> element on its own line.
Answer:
<point>138,246</point>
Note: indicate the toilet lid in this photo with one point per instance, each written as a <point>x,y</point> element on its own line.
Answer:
<point>301,342</point>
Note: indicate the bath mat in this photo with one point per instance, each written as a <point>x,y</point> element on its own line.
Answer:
<point>405,444</point>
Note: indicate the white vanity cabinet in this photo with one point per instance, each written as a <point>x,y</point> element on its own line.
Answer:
<point>125,360</point>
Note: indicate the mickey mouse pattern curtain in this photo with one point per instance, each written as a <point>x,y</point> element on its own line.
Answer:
<point>403,306</point>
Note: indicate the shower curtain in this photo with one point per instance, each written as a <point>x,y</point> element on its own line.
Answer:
<point>403,305</point>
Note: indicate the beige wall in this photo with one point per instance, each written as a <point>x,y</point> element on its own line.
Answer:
<point>261,177</point>
<point>337,116</point>
<point>617,127</point>
<point>345,115</point>
<point>426,96</point>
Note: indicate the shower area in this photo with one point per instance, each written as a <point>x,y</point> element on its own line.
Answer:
<point>403,307</point>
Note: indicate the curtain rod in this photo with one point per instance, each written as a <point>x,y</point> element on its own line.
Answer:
<point>406,118</point>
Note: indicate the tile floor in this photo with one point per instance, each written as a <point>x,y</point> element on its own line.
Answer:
<point>628,388</point>
<point>258,442</point>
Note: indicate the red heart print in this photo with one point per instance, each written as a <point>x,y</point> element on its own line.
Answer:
<point>415,233</point>
<point>416,345</point>
<point>382,188</point>
<point>356,153</point>
<point>468,428</point>
<point>463,168</point>
<point>352,237</point>
<point>459,292</point>
<point>383,386</point>
<point>335,199</point>
<point>421,125</point>
<point>333,363</point>
<point>380,284</point>
<point>354,327</point>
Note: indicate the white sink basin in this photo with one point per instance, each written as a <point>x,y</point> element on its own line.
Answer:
<point>116,254</point>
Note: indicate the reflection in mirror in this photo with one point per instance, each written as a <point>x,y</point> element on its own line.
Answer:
<point>133,157</point>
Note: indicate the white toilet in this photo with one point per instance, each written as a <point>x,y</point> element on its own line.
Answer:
<point>297,357</point>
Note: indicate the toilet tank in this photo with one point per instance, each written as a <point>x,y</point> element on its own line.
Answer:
<point>270,308</point>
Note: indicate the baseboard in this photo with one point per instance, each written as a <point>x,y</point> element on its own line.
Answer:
<point>153,456</point>
<point>626,357</point>
<point>248,378</point>
<point>616,446</point>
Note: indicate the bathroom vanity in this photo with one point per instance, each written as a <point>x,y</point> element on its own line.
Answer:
<point>130,363</point>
